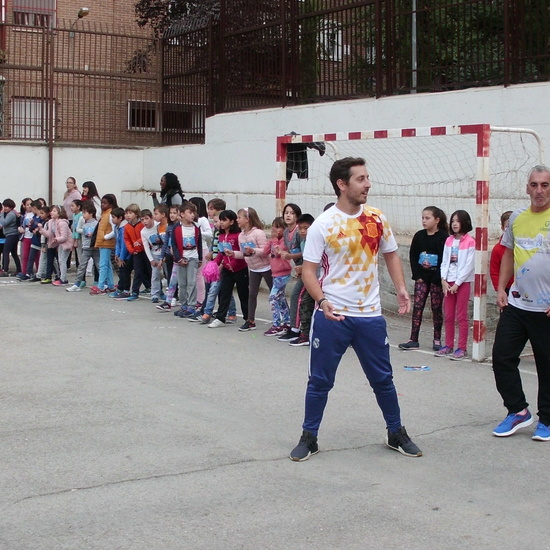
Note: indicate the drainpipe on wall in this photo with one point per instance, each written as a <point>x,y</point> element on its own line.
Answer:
<point>51,100</point>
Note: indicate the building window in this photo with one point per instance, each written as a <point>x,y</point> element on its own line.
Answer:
<point>34,13</point>
<point>331,41</point>
<point>28,118</point>
<point>142,115</point>
<point>189,118</point>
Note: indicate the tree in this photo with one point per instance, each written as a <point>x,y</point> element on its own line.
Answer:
<point>160,14</point>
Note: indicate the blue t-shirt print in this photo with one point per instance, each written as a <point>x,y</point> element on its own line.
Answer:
<point>189,243</point>
<point>454,254</point>
<point>155,240</point>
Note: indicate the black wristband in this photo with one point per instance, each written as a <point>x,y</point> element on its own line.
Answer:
<point>321,302</point>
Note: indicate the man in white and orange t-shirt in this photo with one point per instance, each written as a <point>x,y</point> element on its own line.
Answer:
<point>344,241</point>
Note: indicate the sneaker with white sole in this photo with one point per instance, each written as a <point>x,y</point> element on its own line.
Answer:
<point>301,340</point>
<point>402,443</point>
<point>216,323</point>
<point>275,331</point>
<point>307,446</point>
<point>458,355</point>
<point>512,423</point>
<point>74,288</point>
<point>409,345</point>
<point>165,306</point>
<point>247,325</point>
<point>289,336</point>
<point>541,433</point>
<point>445,351</point>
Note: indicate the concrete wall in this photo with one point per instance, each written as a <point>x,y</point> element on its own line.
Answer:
<point>238,160</point>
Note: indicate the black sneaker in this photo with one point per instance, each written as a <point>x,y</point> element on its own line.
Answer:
<point>401,442</point>
<point>289,336</point>
<point>306,447</point>
<point>302,340</point>
<point>248,325</point>
<point>409,345</point>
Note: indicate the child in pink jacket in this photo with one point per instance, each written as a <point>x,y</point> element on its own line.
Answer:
<point>280,269</point>
<point>59,239</point>
<point>457,273</point>
<point>252,241</point>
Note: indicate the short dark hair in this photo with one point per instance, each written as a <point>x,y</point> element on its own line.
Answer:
<point>162,208</point>
<point>464,220</point>
<point>146,212</point>
<point>117,212</point>
<point>187,206</point>
<point>217,204</point>
<point>88,206</point>
<point>306,218</point>
<point>341,170</point>
<point>505,216</point>
<point>78,203</point>
<point>9,203</point>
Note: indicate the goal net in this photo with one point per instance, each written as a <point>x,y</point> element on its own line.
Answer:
<point>478,168</point>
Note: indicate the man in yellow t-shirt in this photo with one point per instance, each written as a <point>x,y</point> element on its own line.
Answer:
<point>526,310</point>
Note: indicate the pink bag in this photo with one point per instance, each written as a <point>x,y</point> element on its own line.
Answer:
<point>211,272</point>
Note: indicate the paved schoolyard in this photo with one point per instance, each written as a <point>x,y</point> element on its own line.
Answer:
<point>125,428</point>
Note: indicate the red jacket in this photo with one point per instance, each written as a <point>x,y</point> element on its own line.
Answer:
<point>132,238</point>
<point>494,264</point>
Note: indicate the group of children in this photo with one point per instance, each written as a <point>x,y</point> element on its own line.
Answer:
<point>442,260</point>
<point>203,251</point>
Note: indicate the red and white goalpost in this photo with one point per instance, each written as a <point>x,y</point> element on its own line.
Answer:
<point>477,167</point>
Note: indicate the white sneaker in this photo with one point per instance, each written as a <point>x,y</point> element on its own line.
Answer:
<point>74,288</point>
<point>216,323</point>
<point>174,302</point>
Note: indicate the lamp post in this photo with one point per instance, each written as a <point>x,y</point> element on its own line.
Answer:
<point>82,12</point>
<point>414,46</point>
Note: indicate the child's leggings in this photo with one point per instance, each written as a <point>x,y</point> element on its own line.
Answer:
<point>421,291</point>
<point>278,303</point>
<point>172,284</point>
<point>455,307</point>
<point>254,280</point>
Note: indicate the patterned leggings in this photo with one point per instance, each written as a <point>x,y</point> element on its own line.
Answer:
<point>421,291</point>
<point>278,303</point>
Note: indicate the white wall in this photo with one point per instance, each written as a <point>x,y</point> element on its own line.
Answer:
<point>238,160</point>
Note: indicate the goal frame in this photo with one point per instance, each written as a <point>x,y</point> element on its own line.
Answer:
<point>482,134</point>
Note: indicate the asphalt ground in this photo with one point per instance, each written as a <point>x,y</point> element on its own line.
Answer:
<point>126,428</point>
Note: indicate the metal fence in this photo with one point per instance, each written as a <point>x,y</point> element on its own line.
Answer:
<point>80,85</point>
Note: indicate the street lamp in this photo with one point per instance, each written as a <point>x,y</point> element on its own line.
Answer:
<point>82,12</point>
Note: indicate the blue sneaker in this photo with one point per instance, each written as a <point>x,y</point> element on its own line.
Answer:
<point>541,433</point>
<point>132,297</point>
<point>512,423</point>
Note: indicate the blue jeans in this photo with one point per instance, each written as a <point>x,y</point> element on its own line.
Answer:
<point>106,278</point>
<point>212,291</point>
<point>329,341</point>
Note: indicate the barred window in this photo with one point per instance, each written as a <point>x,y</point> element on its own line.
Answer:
<point>34,13</point>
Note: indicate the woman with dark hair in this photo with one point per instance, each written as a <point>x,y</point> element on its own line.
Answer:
<point>89,193</point>
<point>171,193</point>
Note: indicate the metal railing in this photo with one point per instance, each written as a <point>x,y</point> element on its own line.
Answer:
<point>87,86</point>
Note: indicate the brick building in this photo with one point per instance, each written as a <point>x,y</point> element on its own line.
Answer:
<point>70,74</point>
